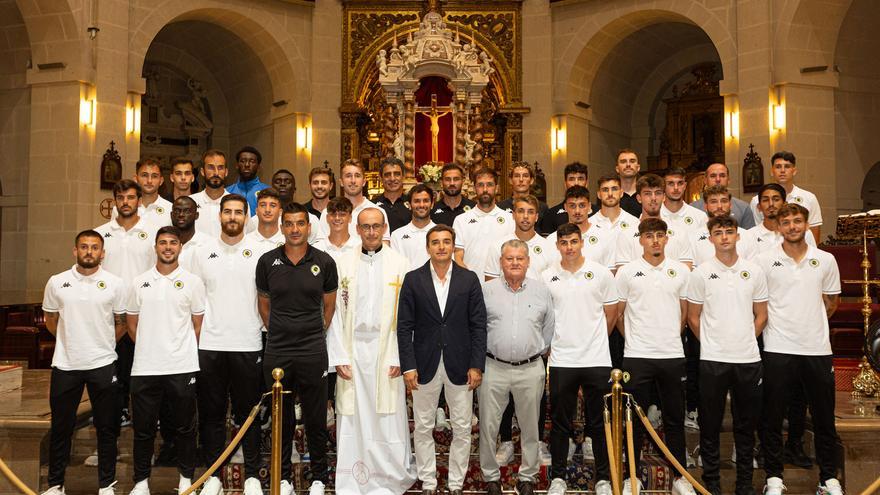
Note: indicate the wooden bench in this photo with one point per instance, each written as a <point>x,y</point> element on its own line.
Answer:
<point>24,337</point>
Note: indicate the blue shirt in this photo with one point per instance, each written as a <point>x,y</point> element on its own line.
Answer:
<point>249,190</point>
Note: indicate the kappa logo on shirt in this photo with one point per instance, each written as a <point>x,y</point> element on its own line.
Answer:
<point>114,379</point>
<point>777,263</point>
<point>703,237</point>
<point>405,236</point>
<point>713,277</point>
<point>145,285</point>
<point>473,220</point>
<point>639,274</point>
<point>561,210</point>
<point>65,284</point>
<point>277,262</point>
<point>212,256</point>
<point>438,210</point>
<point>554,279</point>
<point>107,235</point>
<point>192,381</point>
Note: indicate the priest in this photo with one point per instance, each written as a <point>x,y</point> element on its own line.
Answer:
<point>372,431</point>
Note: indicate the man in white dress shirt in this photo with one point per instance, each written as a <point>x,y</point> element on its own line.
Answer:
<point>409,240</point>
<point>214,172</point>
<point>783,168</point>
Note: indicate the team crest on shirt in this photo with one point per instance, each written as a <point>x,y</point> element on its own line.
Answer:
<point>537,249</point>
<point>688,220</point>
<point>626,377</point>
<point>798,199</point>
<point>670,232</point>
<point>178,284</point>
<point>160,210</point>
<point>672,273</point>
<point>624,225</point>
<point>593,239</point>
<point>142,236</point>
<point>745,274</point>
<point>406,203</point>
<point>101,284</point>
<point>589,275</point>
<point>500,220</point>
<point>466,208</point>
<point>316,270</point>
<point>247,253</point>
<point>814,262</point>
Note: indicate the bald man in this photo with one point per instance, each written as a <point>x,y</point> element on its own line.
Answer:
<point>719,175</point>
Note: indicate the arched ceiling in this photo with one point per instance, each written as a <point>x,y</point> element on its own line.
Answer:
<point>15,47</point>
<point>859,41</point>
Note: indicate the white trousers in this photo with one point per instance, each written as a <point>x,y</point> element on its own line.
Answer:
<point>460,401</point>
<point>526,383</point>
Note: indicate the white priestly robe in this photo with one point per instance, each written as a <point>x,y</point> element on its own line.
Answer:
<point>372,428</point>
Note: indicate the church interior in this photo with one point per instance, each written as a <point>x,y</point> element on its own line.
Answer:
<point>90,87</point>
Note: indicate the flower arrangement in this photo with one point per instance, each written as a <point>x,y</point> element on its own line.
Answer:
<point>430,173</point>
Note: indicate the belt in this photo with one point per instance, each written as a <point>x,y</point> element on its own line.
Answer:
<point>516,363</point>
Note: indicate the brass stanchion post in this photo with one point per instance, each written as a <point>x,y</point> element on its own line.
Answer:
<point>275,460</point>
<point>617,425</point>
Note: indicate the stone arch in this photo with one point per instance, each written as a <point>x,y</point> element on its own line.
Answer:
<point>595,34</point>
<point>55,32</point>
<point>871,189</point>
<point>806,36</point>
<point>263,30</point>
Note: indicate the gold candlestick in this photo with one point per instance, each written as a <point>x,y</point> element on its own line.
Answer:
<point>866,383</point>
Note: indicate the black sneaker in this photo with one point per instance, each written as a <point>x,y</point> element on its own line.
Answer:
<point>493,488</point>
<point>525,488</point>
<point>794,454</point>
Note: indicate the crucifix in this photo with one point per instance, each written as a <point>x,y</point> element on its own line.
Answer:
<point>434,113</point>
<point>397,285</point>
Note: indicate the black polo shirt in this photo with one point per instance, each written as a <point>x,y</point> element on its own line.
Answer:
<point>398,211</point>
<point>631,205</point>
<point>442,213</point>
<point>296,294</point>
<point>553,218</point>
<point>309,206</point>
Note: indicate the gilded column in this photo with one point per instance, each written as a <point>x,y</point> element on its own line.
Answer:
<point>409,140</point>
<point>460,131</point>
<point>389,132</point>
<point>477,135</point>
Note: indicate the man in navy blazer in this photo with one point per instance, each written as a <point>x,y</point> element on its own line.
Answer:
<point>441,335</point>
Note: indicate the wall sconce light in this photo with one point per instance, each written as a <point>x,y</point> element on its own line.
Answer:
<point>304,137</point>
<point>778,117</point>
<point>731,125</point>
<point>132,119</point>
<point>87,112</point>
<point>558,138</point>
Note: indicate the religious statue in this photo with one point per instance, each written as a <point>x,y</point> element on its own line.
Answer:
<point>435,115</point>
<point>397,145</point>
<point>486,64</point>
<point>381,63</point>
<point>469,145</point>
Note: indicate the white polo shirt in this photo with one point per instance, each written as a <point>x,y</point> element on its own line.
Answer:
<point>262,245</point>
<point>727,322</point>
<point>704,250</point>
<point>541,256</point>
<point>409,241</point>
<point>253,223</point>
<point>796,319</point>
<point>324,231</point>
<point>127,254</point>
<point>765,239</point>
<point>86,334</point>
<point>798,196</point>
<point>652,317</point>
<point>580,339</point>
<point>624,222</point>
<point>477,231</point>
<point>188,249</point>
<point>336,252</point>
<point>599,245</point>
<point>232,322</point>
<point>166,341</point>
<point>209,213</point>
<point>157,213</point>
<point>691,218</point>
<point>678,247</point>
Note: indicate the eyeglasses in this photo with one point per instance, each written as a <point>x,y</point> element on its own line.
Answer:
<point>378,227</point>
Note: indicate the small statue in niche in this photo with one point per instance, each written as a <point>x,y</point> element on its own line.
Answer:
<point>486,64</point>
<point>398,146</point>
<point>469,145</point>
<point>381,63</point>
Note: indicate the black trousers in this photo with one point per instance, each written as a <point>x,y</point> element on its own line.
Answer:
<point>564,385</point>
<point>147,394</point>
<point>692,356</point>
<point>237,376</point>
<point>505,429</point>
<point>797,413</point>
<point>783,372</point>
<point>616,345</point>
<point>65,394</point>
<point>124,361</point>
<point>305,376</point>
<point>667,376</point>
<point>744,381</point>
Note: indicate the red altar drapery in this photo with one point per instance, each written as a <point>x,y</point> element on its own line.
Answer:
<point>445,139</point>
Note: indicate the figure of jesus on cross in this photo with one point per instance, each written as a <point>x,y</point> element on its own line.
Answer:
<point>434,113</point>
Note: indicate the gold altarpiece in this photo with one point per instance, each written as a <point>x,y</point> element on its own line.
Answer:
<point>390,46</point>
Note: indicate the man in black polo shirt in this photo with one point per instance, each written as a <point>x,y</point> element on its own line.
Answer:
<point>393,200</point>
<point>575,174</point>
<point>297,297</point>
<point>452,204</point>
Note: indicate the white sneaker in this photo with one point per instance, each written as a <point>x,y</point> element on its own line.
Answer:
<point>831,487</point>
<point>294,455</point>
<point>691,420</point>
<point>654,416</point>
<point>504,454</point>
<point>681,486</point>
<point>331,416</point>
<point>441,423</point>
<point>774,486</point>
<point>571,448</point>
<point>733,458</point>
<point>252,486</point>
<point>183,484</point>
<point>211,487</point>
<point>627,486</point>
<point>286,488</point>
<point>141,488</point>
<point>238,456</point>
<point>92,460</point>
<point>689,459</point>
<point>317,488</point>
<point>603,488</point>
<point>587,449</point>
<point>557,487</point>
<point>58,490</point>
<point>297,410</point>
<point>107,490</point>
<point>544,454</point>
